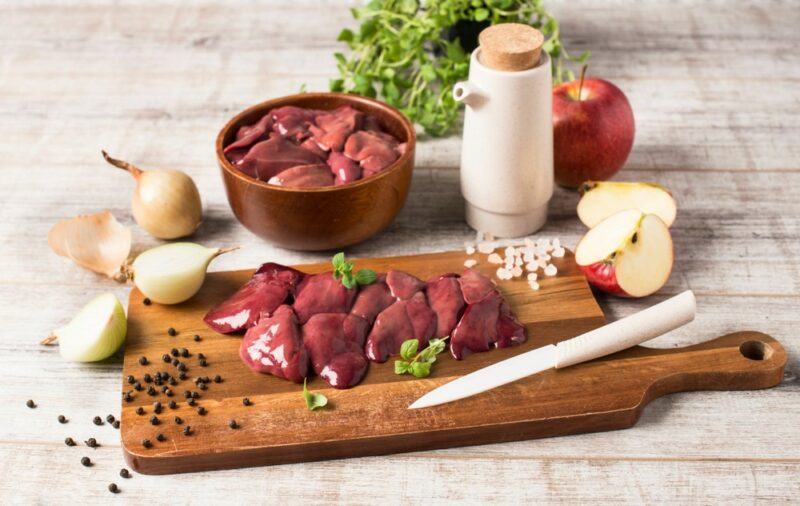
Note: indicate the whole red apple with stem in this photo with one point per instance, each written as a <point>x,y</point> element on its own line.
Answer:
<point>593,130</point>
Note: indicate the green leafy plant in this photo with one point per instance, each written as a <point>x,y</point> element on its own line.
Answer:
<point>407,52</point>
<point>313,400</point>
<point>342,269</point>
<point>418,364</point>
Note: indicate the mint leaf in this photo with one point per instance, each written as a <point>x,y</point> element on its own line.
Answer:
<point>338,260</point>
<point>313,400</point>
<point>421,369</point>
<point>349,280</point>
<point>409,349</point>
<point>401,367</point>
<point>366,277</point>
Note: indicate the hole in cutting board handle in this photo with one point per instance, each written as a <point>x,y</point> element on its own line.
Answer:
<point>755,350</point>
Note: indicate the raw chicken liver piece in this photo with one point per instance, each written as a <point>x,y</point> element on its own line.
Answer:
<point>445,299</point>
<point>345,169</point>
<point>477,329</point>
<point>373,150</point>
<point>270,157</point>
<point>334,127</point>
<point>335,345</point>
<point>275,346</point>
<point>372,299</point>
<point>403,285</point>
<point>403,320</point>
<point>293,122</point>
<point>509,330</point>
<point>475,286</point>
<point>250,134</point>
<point>269,287</point>
<point>322,293</point>
<point>304,176</point>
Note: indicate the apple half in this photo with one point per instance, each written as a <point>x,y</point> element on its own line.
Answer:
<point>628,254</point>
<point>601,199</point>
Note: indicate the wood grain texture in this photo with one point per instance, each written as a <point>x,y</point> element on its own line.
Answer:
<point>714,90</point>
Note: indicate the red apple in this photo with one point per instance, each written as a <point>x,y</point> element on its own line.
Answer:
<point>627,254</point>
<point>593,131</point>
<point>599,200</point>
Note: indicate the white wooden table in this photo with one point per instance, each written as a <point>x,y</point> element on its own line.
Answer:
<point>715,87</point>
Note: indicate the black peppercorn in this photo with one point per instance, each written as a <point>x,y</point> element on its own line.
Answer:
<point>173,381</point>
<point>184,352</point>
<point>146,301</point>
<point>171,331</point>
<point>182,375</point>
<point>246,401</point>
<point>202,386</point>
<point>200,356</point>
<point>147,378</point>
<point>187,431</point>
<point>140,410</point>
<point>217,379</point>
<point>174,352</point>
<point>175,362</point>
<point>233,425</point>
<point>110,418</point>
<point>161,437</point>
<point>115,424</point>
<point>154,420</point>
<point>165,358</point>
<point>124,473</point>
<point>173,405</point>
<point>203,363</point>
<point>112,487</point>
<point>156,407</point>
<point>151,390</point>
<point>30,403</point>
<point>191,401</point>
<point>187,393</point>
<point>86,461</point>
<point>138,387</point>
<point>182,367</point>
<point>62,419</point>
<point>128,397</point>
<point>146,443</point>
<point>91,443</point>
<point>70,442</point>
<point>196,338</point>
<point>168,392</point>
<point>131,379</point>
<point>201,411</point>
<point>142,360</point>
<point>97,420</point>
<point>195,395</point>
<point>178,420</point>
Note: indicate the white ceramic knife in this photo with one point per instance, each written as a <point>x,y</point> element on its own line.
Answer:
<point>619,335</point>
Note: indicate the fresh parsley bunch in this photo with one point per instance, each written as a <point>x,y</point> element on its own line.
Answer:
<point>402,53</point>
<point>418,364</point>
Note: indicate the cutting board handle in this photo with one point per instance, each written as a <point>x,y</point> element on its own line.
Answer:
<point>745,360</point>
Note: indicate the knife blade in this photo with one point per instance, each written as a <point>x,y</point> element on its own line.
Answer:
<point>616,336</point>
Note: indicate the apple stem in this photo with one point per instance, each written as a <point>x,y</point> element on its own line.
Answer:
<point>580,86</point>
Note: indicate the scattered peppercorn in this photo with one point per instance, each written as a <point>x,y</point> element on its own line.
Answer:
<point>146,443</point>
<point>124,473</point>
<point>178,420</point>
<point>196,338</point>
<point>142,360</point>
<point>128,397</point>
<point>140,410</point>
<point>203,363</point>
<point>246,401</point>
<point>184,352</point>
<point>175,362</point>
<point>151,390</point>
<point>168,392</point>
<point>202,386</point>
<point>171,331</point>
<point>30,403</point>
<point>131,379</point>
<point>70,442</point>
<point>62,419</point>
<point>115,424</point>
<point>165,358</point>
<point>201,411</point>
<point>187,431</point>
<point>91,443</point>
<point>182,375</point>
<point>191,401</point>
<point>201,356</point>
<point>182,367</point>
<point>173,405</point>
<point>217,379</point>
<point>110,418</point>
<point>112,487</point>
<point>86,461</point>
<point>187,393</point>
<point>138,387</point>
<point>173,381</point>
<point>147,378</point>
<point>97,420</point>
<point>161,437</point>
<point>233,425</point>
<point>154,420</point>
<point>174,352</point>
<point>195,395</point>
<point>146,301</point>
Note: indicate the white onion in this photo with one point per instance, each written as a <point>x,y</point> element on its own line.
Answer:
<point>96,332</point>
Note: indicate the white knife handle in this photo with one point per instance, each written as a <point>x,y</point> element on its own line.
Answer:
<point>629,331</point>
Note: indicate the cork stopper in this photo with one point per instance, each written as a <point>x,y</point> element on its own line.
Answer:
<point>510,46</point>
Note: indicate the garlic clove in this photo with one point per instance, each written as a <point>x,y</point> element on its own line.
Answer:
<point>173,273</point>
<point>166,203</point>
<point>96,332</point>
<point>97,242</point>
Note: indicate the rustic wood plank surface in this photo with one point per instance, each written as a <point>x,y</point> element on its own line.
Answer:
<point>715,90</point>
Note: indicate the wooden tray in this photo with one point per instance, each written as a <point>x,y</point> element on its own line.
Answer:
<point>372,418</point>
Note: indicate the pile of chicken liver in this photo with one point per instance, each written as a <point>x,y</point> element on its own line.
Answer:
<point>303,148</point>
<point>296,322</point>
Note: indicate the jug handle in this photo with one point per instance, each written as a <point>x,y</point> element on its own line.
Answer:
<point>468,93</point>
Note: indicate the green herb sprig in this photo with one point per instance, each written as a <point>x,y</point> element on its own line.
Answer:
<point>401,52</point>
<point>313,400</point>
<point>418,364</point>
<point>343,270</point>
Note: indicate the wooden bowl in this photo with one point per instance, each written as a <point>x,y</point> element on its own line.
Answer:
<point>320,218</point>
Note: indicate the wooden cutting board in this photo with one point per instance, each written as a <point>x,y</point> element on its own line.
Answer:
<point>372,418</point>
